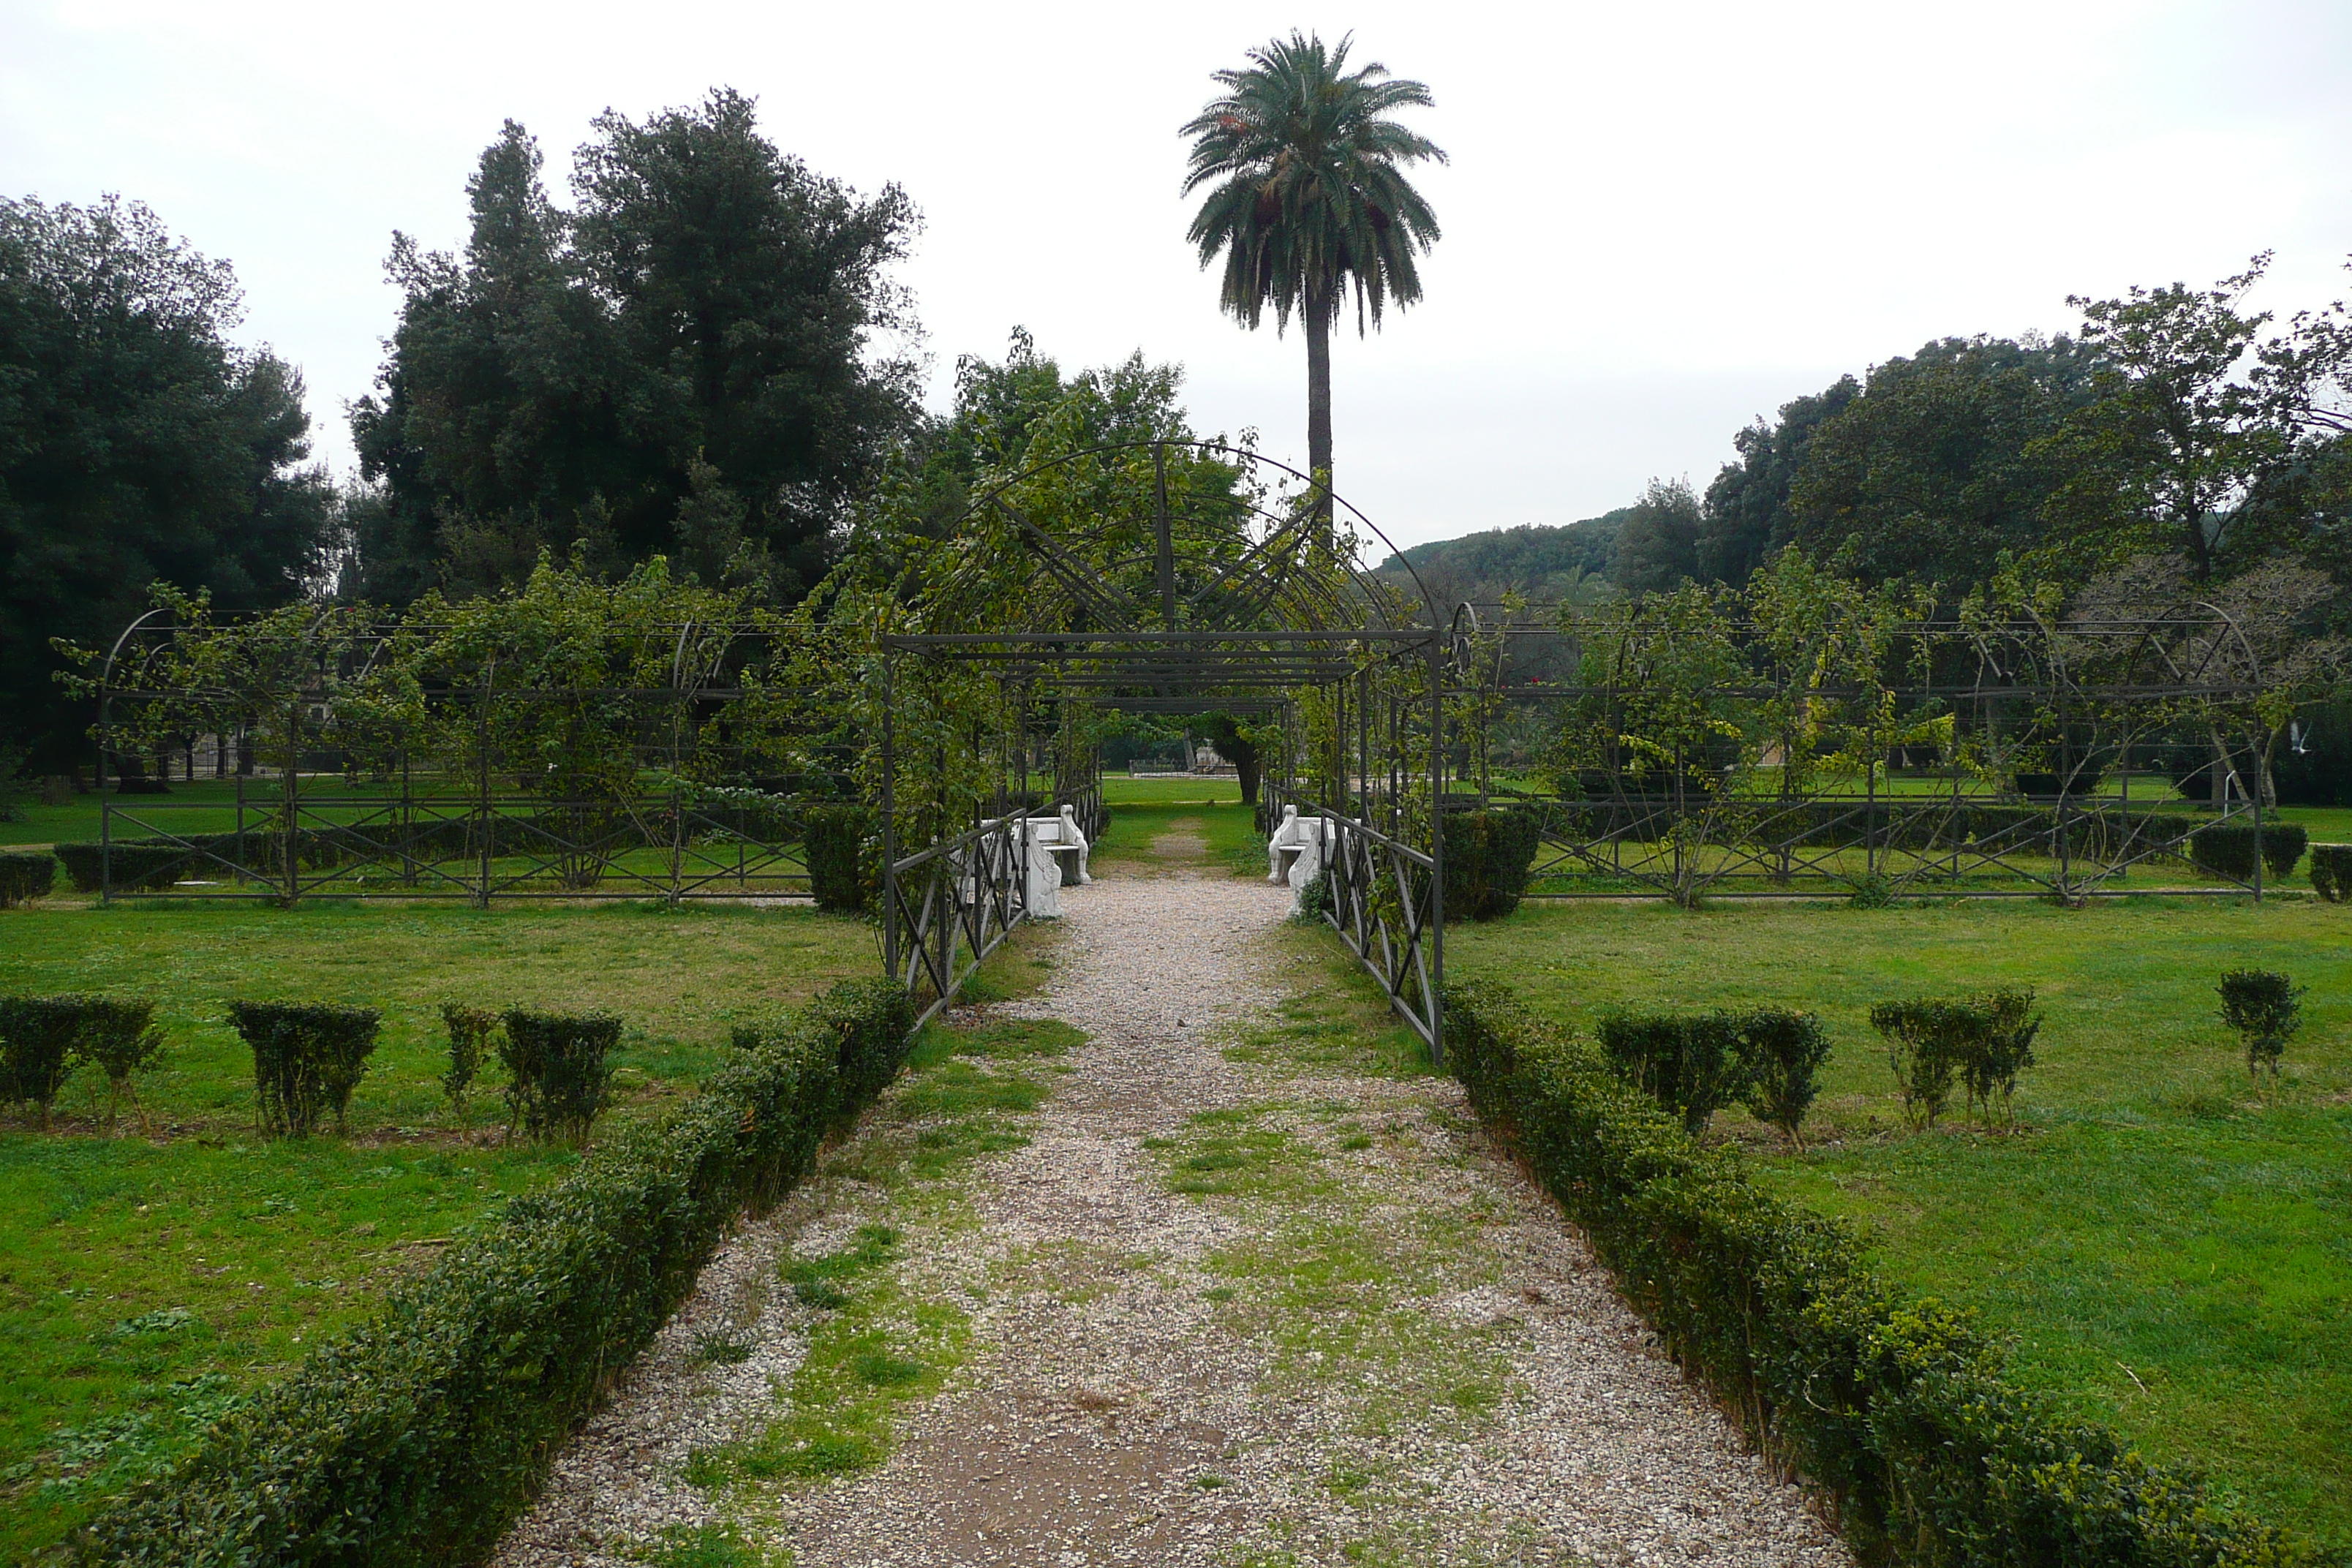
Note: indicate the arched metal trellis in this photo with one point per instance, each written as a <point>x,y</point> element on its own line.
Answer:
<point>1098,579</point>
<point>323,805</point>
<point>2012,757</point>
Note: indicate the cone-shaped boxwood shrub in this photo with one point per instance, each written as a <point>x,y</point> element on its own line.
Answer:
<point>1901,1412</point>
<point>25,876</point>
<point>558,1080</point>
<point>307,1057</point>
<point>833,838</point>
<point>1690,1064</point>
<point>2266,1007</point>
<point>473,1034</point>
<point>120,1037</point>
<point>37,1034</point>
<point>1997,1044</point>
<point>2331,871</point>
<point>1781,1055</point>
<point>1923,1052</point>
<point>418,1437</point>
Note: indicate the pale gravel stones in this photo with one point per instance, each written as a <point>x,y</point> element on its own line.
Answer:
<point>1133,1394</point>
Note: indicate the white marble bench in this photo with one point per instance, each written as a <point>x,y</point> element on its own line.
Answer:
<point>1049,839</point>
<point>1296,853</point>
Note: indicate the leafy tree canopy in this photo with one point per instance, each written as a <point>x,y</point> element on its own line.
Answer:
<point>1003,409</point>
<point>1942,462</point>
<point>1561,565</point>
<point>684,363</point>
<point>1657,544</point>
<point>137,442</point>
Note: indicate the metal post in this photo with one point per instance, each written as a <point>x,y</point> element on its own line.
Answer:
<point>1167,562</point>
<point>292,793</point>
<point>889,816</point>
<point>1436,854</point>
<point>482,781</point>
<point>2255,795</point>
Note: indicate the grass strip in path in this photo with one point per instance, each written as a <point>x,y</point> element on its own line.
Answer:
<point>815,1331</point>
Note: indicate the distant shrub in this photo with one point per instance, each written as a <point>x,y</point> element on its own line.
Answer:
<point>135,864</point>
<point>1920,1050</point>
<point>834,840</point>
<point>25,876</point>
<point>1997,1045</point>
<point>119,1037</point>
<point>2266,1008</point>
<point>558,1079</point>
<point>2224,849</point>
<point>2283,845</point>
<point>37,1036</point>
<point>1315,899</point>
<point>1873,891</point>
<point>307,1057</point>
<point>1688,1064</point>
<point>1487,854</point>
<point>2331,871</point>
<point>1983,1042</point>
<point>1781,1053</point>
<point>472,1032</point>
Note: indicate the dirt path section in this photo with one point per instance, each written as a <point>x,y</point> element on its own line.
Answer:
<point>1228,1291</point>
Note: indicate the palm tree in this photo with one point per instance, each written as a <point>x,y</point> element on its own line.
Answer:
<point>1309,195</point>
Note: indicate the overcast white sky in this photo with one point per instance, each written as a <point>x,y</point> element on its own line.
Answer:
<point>1660,220</point>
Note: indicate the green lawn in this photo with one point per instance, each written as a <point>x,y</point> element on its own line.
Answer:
<point>2170,1249</point>
<point>1119,789</point>
<point>1227,830</point>
<point>144,1279</point>
<point>209,805</point>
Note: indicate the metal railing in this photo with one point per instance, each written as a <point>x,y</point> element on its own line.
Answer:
<point>1386,900</point>
<point>480,850</point>
<point>947,907</point>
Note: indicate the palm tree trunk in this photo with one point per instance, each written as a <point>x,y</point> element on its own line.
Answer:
<point>1318,395</point>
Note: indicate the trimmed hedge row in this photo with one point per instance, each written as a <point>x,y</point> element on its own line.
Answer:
<point>307,1057</point>
<point>2331,871</point>
<point>417,1436</point>
<point>153,863</point>
<point>1487,854</point>
<point>1900,1411</point>
<point>2227,849</point>
<point>1839,825</point>
<point>25,876</point>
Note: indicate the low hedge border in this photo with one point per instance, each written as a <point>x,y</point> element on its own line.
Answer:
<point>417,1436</point>
<point>1900,1412</point>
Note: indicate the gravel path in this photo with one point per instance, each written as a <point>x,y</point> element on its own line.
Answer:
<point>1260,1311</point>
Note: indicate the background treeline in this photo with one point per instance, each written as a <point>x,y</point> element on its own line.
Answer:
<point>2172,425</point>
<point>137,442</point>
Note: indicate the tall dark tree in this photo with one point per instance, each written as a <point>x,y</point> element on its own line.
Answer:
<point>2182,429</point>
<point>1746,517</point>
<point>137,442</point>
<point>1001,404</point>
<point>1657,544</point>
<point>1308,196</point>
<point>1941,464</point>
<point>696,337</point>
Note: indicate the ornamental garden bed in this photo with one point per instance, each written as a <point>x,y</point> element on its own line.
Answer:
<point>149,1279</point>
<point>2165,1246</point>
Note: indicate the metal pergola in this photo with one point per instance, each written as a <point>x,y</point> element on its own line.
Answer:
<point>1153,607</point>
